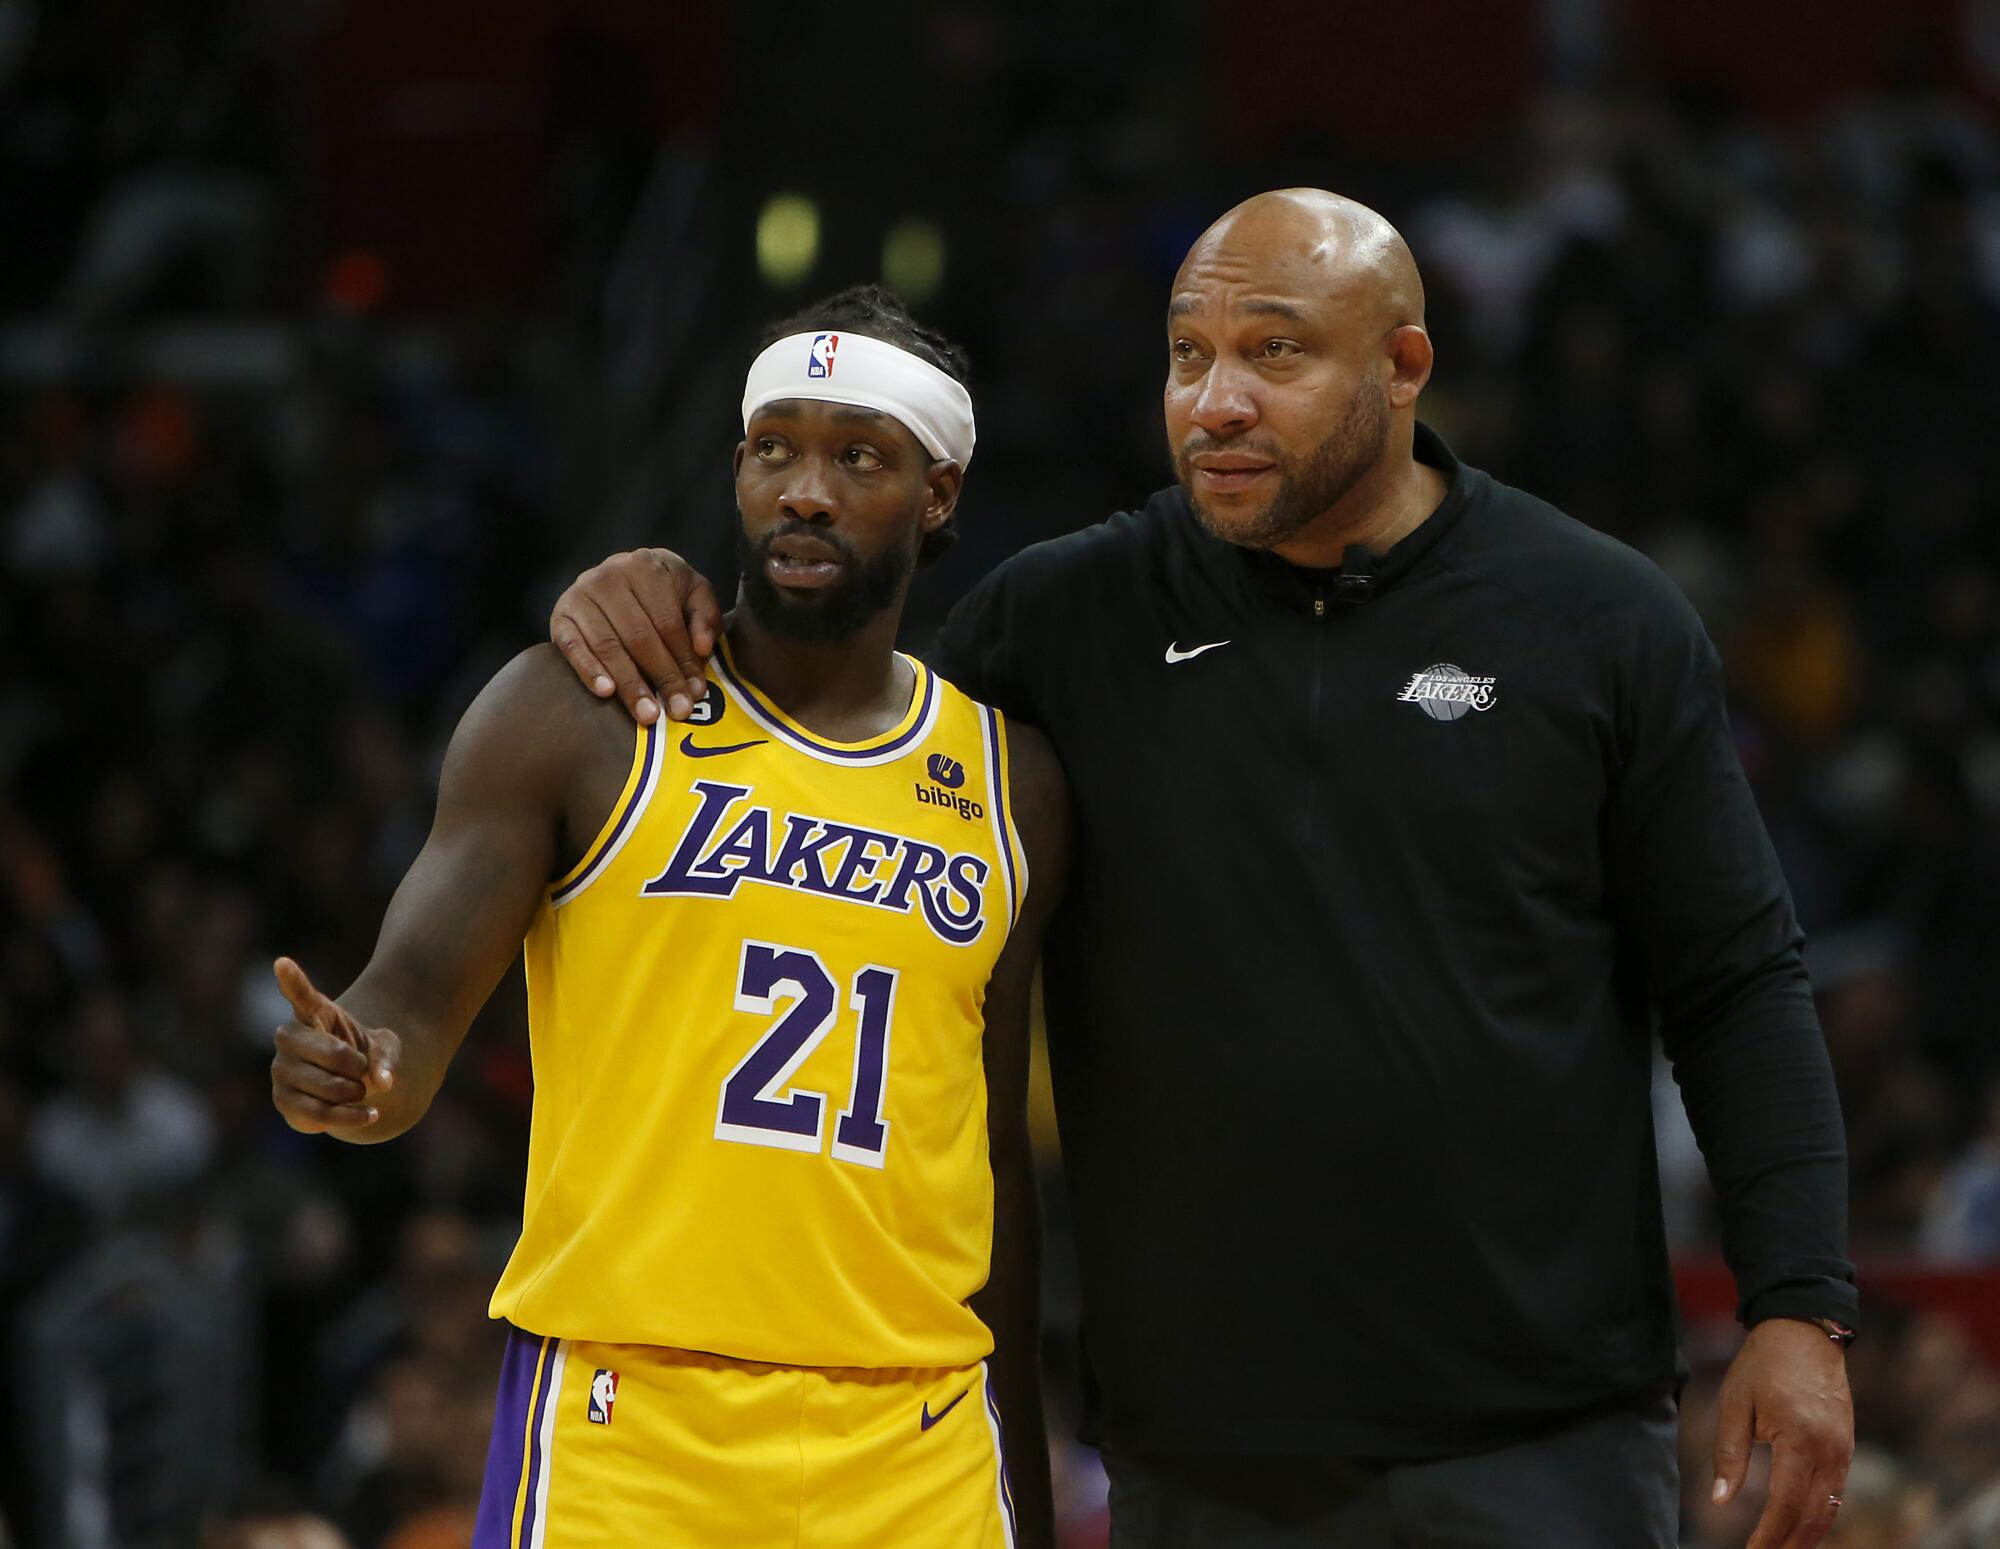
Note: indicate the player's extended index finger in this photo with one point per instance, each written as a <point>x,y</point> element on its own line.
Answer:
<point>307,1002</point>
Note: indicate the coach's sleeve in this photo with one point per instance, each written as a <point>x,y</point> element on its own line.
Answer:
<point>1697,891</point>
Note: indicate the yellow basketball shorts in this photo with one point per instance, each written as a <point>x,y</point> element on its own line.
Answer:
<point>636,1447</point>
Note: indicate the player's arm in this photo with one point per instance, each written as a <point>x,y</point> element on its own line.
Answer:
<point>365,1067</point>
<point>1010,1302</point>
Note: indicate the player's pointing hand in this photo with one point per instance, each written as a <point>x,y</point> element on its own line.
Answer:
<point>327,1065</point>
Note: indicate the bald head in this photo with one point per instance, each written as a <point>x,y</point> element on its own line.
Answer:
<point>1316,242</point>
<point>1297,350</point>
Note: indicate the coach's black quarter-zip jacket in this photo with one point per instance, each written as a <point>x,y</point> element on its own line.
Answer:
<point>1381,887</point>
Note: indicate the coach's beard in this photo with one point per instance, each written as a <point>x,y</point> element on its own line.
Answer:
<point>834,613</point>
<point>1308,487</point>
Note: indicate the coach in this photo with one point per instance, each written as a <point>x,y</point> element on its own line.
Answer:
<point>1406,809</point>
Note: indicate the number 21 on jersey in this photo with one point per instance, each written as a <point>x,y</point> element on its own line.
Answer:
<point>758,1106</point>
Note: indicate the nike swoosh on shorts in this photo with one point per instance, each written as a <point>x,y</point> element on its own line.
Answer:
<point>930,1419</point>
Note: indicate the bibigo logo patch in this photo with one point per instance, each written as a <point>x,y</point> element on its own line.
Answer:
<point>947,774</point>
<point>946,770</point>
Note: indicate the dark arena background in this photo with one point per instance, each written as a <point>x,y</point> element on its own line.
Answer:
<point>337,335</point>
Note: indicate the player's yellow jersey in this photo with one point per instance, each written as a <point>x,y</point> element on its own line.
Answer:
<point>756,1015</point>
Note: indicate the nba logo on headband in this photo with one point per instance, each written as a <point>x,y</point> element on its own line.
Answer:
<point>874,374</point>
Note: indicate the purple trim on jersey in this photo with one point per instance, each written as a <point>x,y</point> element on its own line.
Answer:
<point>999,783</point>
<point>505,1457</point>
<point>625,817</point>
<point>1006,1489</point>
<point>833,749</point>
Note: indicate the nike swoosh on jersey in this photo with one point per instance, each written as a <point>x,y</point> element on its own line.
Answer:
<point>930,1419</point>
<point>694,749</point>
<point>1176,654</point>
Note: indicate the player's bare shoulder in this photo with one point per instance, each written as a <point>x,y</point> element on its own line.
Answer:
<point>536,728</point>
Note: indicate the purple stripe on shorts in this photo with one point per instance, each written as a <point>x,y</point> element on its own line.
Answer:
<point>1006,1489</point>
<point>536,1461</point>
<point>504,1454</point>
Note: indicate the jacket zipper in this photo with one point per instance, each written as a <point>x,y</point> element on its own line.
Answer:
<point>1314,774</point>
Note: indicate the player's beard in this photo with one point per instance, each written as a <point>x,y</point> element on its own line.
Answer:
<point>1308,486</point>
<point>832,613</point>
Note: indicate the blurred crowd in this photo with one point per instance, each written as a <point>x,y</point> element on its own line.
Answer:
<point>247,586</point>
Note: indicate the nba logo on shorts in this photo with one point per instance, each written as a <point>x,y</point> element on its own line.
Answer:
<point>820,362</point>
<point>603,1394</point>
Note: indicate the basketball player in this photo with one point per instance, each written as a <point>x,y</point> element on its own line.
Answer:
<point>779,1199</point>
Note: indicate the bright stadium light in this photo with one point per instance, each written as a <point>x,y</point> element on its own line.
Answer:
<point>913,259</point>
<point>787,239</point>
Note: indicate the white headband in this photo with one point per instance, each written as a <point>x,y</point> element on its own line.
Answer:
<point>870,374</point>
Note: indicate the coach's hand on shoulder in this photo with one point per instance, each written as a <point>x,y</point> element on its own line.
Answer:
<point>640,625</point>
<point>1788,1386</point>
<point>328,1066</point>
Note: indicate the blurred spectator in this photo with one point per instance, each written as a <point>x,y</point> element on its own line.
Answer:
<point>1962,1222</point>
<point>421,1360</point>
<point>122,1132</point>
<point>275,1532</point>
<point>1976,1525</point>
<point>1882,1511</point>
<point>41,1228</point>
